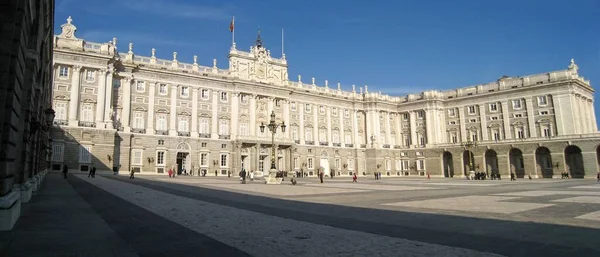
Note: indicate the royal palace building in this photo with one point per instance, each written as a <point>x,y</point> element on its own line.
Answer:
<point>123,111</point>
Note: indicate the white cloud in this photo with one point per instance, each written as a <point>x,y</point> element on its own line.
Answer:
<point>173,9</point>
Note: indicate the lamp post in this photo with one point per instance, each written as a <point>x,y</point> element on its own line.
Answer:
<point>273,128</point>
<point>469,145</point>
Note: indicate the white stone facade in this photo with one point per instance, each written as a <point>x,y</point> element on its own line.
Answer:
<point>129,111</point>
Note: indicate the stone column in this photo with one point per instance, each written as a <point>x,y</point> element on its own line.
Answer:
<point>301,126</point>
<point>593,116</point>
<point>576,114</point>
<point>316,136</point>
<point>342,132</point>
<point>286,118</point>
<point>506,121</point>
<point>530,117</point>
<point>413,129</point>
<point>388,129</point>
<point>151,104</point>
<point>234,115</point>
<point>74,101</point>
<point>108,103</point>
<point>463,125</point>
<point>252,124</point>
<point>173,111</point>
<point>583,113</point>
<point>484,129</point>
<point>126,112</point>
<point>215,113</point>
<point>429,126</point>
<point>101,98</point>
<point>328,113</point>
<point>370,127</point>
<point>355,137</point>
<point>195,112</point>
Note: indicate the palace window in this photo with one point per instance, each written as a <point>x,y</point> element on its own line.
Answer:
<point>307,107</point>
<point>350,164</point>
<point>311,164</point>
<point>87,113</point>
<point>61,110</point>
<point>296,160</point>
<point>244,129</point>
<point>136,157</point>
<point>542,100</point>
<point>162,89</point>
<point>185,91</point>
<point>452,112</point>
<point>405,116</point>
<point>89,75</point>
<point>398,165</point>
<point>161,122</point>
<point>322,135</point>
<point>516,104</point>
<point>336,136</point>
<point>63,72</point>
<point>471,109</point>
<point>406,140</point>
<point>204,159</point>
<point>388,164</point>
<point>405,165</point>
<point>420,114</point>
<point>85,154</point>
<point>204,94</point>
<point>420,164</point>
<point>336,163</point>
<point>183,125</point>
<point>543,113</point>
<point>161,142</point>
<point>278,103</point>
<point>518,115</point>
<point>546,131</point>
<point>58,151</point>
<point>474,136</point>
<point>453,137</point>
<point>334,111</point>
<point>347,113</point>
<point>223,127</point>
<point>295,133</point>
<point>493,107</point>
<point>422,139</point>
<point>138,120</point>
<point>520,133</point>
<point>496,133</point>
<point>224,97</point>
<point>223,160</point>
<point>140,86</point>
<point>393,139</point>
<point>293,106</point>
<point>322,109</point>
<point>348,137</point>
<point>204,126</point>
<point>308,134</point>
<point>160,158</point>
<point>244,99</point>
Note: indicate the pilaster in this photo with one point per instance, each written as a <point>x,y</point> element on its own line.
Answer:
<point>108,103</point>
<point>253,124</point>
<point>126,112</point>
<point>151,103</point>
<point>429,126</point>
<point>195,112</point>
<point>355,137</point>
<point>483,118</point>
<point>286,117</point>
<point>329,125</point>
<point>74,96</point>
<point>214,131</point>
<point>463,125</point>
<point>342,132</point>
<point>388,129</point>
<point>301,126</point>
<point>173,111</point>
<point>100,99</point>
<point>234,115</point>
<point>413,128</point>
<point>506,120</point>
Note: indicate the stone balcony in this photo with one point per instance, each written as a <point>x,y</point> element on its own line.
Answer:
<point>162,132</point>
<point>138,130</point>
<point>183,133</point>
<point>349,145</point>
<point>204,135</point>
<point>61,122</point>
<point>297,141</point>
<point>397,147</point>
<point>324,143</point>
<point>224,136</point>
<point>87,124</point>
<point>386,146</point>
<point>363,146</point>
<point>309,142</point>
<point>337,144</point>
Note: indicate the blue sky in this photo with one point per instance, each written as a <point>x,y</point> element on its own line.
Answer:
<point>396,47</point>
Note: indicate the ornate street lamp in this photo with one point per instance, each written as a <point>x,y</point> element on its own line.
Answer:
<point>50,114</point>
<point>470,145</point>
<point>273,128</point>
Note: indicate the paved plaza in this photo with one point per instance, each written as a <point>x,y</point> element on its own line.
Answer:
<point>214,216</point>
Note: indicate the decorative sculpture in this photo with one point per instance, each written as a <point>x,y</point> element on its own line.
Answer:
<point>174,56</point>
<point>153,53</point>
<point>195,59</point>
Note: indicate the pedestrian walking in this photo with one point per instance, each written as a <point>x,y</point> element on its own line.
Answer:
<point>354,178</point>
<point>91,172</point>
<point>512,177</point>
<point>65,170</point>
<point>598,176</point>
<point>243,176</point>
<point>321,174</point>
<point>428,176</point>
<point>132,174</point>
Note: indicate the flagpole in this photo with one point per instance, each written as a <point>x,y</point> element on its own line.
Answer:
<point>282,51</point>
<point>233,31</point>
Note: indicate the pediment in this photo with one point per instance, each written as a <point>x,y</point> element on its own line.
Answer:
<point>184,113</point>
<point>165,111</point>
<point>62,98</point>
<point>139,109</point>
<point>204,115</point>
<point>89,101</point>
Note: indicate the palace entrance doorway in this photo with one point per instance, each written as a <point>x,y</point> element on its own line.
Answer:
<point>183,162</point>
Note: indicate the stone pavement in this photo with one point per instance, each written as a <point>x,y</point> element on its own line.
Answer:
<point>191,216</point>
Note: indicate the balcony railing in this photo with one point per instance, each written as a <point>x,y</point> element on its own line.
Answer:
<point>89,124</point>
<point>363,146</point>
<point>349,145</point>
<point>61,122</point>
<point>310,142</point>
<point>337,144</point>
<point>224,136</point>
<point>183,133</point>
<point>204,135</point>
<point>138,130</point>
<point>162,132</point>
<point>386,146</point>
<point>297,141</point>
<point>397,147</point>
<point>324,143</point>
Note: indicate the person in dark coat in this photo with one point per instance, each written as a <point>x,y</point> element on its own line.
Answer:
<point>65,170</point>
<point>131,174</point>
<point>243,176</point>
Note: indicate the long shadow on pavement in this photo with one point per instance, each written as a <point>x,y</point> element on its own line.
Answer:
<point>512,238</point>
